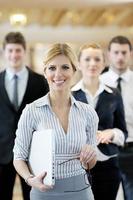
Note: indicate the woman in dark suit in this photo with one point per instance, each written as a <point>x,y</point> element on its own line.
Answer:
<point>112,128</point>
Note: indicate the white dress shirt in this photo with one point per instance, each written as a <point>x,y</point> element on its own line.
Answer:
<point>22,83</point>
<point>110,78</point>
<point>92,100</point>
<point>82,128</point>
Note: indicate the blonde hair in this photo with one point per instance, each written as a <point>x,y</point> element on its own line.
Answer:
<point>87,46</point>
<point>60,49</point>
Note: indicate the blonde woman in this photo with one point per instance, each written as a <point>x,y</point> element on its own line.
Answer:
<point>75,126</point>
<point>111,129</point>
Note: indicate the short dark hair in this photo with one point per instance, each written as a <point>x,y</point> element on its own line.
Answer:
<point>16,38</point>
<point>120,40</point>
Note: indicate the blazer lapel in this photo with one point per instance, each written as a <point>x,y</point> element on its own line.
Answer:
<point>80,96</point>
<point>3,92</point>
<point>28,89</point>
<point>100,101</point>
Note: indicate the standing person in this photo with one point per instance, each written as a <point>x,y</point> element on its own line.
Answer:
<point>120,76</point>
<point>75,140</point>
<point>111,129</point>
<point>18,86</point>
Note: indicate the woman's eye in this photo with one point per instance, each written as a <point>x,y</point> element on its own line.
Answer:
<point>97,59</point>
<point>87,59</point>
<point>65,67</point>
<point>52,68</point>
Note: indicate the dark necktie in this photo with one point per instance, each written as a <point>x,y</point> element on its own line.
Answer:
<point>119,83</point>
<point>15,92</point>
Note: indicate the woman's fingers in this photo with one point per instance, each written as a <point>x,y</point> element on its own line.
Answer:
<point>37,182</point>
<point>42,176</point>
<point>105,136</point>
<point>44,187</point>
<point>87,154</point>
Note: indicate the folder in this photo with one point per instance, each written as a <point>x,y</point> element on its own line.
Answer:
<point>42,155</point>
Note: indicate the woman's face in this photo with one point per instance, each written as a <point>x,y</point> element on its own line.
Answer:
<point>91,62</point>
<point>59,73</point>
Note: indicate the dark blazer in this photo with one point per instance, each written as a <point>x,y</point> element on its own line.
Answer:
<point>110,111</point>
<point>36,87</point>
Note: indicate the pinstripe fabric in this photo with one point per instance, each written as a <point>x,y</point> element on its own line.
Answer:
<point>82,129</point>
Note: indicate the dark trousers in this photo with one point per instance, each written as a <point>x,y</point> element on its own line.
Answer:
<point>105,189</point>
<point>7,180</point>
<point>127,184</point>
<point>126,166</point>
<point>105,181</point>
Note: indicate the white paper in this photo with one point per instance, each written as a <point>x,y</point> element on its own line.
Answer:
<point>42,154</point>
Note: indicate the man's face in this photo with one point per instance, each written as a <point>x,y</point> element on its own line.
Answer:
<point>119,57</point>
<point>15,55</point>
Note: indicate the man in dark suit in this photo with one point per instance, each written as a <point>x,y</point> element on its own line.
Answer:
<point>18,86</point>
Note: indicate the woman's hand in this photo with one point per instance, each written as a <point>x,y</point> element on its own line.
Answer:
<point>105,136</point>
<point>88,156</point>
<point>37,182</point>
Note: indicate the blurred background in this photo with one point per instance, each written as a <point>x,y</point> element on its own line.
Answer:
<point>73,21</point>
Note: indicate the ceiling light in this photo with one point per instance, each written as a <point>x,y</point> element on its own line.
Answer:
<point>18,19</point>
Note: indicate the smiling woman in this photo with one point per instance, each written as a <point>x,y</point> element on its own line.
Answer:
<point>59,67</point>
<point>59,73</point>
<point>75,140</point>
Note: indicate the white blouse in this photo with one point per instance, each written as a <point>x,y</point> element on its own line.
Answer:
<point>82,128</point>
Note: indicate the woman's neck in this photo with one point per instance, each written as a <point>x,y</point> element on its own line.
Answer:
<point>91,85</point>
<point>59,100</point>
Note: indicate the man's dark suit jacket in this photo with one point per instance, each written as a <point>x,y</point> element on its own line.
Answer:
<point>110,111</point>
<point>36,87</point>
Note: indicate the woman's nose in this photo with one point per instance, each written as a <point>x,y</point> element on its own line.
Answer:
<point>58,72</point>
<point>92,62</point>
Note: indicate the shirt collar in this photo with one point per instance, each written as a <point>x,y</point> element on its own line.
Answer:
<point>45,101</point>
<point>78,86</point>
<point>125,76</point>
<point>106,88</point>
<point>10,73</point>
<point>102,87</point>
